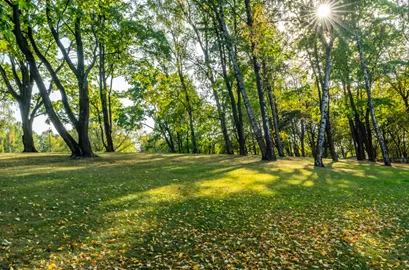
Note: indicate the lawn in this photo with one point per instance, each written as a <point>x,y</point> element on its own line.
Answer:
<point>200,212</point>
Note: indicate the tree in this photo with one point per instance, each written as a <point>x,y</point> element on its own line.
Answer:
<point>29,107</point>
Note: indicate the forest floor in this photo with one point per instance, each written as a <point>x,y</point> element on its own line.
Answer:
<point>193,212</point>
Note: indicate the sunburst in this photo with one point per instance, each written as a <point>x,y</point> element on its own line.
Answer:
<point>323,11</point>
<point>326,14</point>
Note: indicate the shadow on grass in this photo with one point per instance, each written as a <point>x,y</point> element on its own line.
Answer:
<point>180,210</point>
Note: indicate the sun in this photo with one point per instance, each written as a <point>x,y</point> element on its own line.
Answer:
<point>323,11</point>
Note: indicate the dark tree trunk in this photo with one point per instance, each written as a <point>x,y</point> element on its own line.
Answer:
<point>371,108</point>
<point>109,146</point>
<point>23,98</point>
<point>269,151</point>
<point>25,49</point>
<point>240,82</point>
<point>187,142</point>
<point>302,138</point>
<point>82,77</point>
<point>296,149</point>
<point>368,139</point>
<point>330,138</point>
<point>190,113</point>
<point>27,125</point>
<point>275,122</point>
<point>81,73</point>
<point>211,77</point>
<point>167,134</point>
<point>83,120</point>
<point>356,127</point>
<point>179,142</point>
<point>236,110</point>
<point>56,80</point>
<point>242,140</point>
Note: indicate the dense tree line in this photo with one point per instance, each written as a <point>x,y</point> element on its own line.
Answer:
<point>271,78</point>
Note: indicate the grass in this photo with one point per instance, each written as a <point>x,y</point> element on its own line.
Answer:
<point>178,211</point>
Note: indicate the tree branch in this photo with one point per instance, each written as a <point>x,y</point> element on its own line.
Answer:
<point>8,84</point>
<point>57,39</point>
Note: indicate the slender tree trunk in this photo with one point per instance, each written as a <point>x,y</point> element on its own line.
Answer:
<point>235,110</point>
<point>109,147</point>
<point>171,139</point>
<point>356,126</point>
<point>168,138</point>
<point>101,128</point>
<point>190,113</point>
<point>226,137</point>
<point>330,138</point>
<point>240,82</point>
<point>269,153</point>
<point>302,138</point>
<point>320,82</point>
<point>368,138</point>
<point>296,148</point>
<point>211,77</point>
<point>187,142</point>
<point>242,139</point>
<point>222,118</point>
<point>274,113</point>
<point>370,103</point>
<point>324,101</point>
<point>179,139</point>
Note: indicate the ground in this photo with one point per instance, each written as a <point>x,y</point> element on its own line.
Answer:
<point>192,212</point>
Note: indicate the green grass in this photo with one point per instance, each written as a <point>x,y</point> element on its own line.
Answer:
<point>180,211</point>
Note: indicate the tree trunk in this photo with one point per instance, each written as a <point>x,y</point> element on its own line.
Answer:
<point>180,143</point>
<point>269,152</point>
<point>240,82</point>
<point>27,126</point>
<point>210,76</point>
<point>187,142</point>
<point>302,138</point>
<point>168,138</point>
<point>109,146</point>
<point>370,103</point>
<point>274,113</point>
<point>368,139</point>
<point>242,139</point>
<point>330,138</point>
<point>358,128</point>
<point>82,78</point>
<point>236,111</point>
<point>324,101</point>
<point>83,120</point>
<point>189,111</point>
<point>25,49</point>
<point>23,98</point>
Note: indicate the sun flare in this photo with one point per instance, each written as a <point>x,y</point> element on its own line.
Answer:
<point>323,11</point>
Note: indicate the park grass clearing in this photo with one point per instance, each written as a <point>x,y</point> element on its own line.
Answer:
<point>181,211</point>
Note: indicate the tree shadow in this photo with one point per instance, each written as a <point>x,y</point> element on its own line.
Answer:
<point>181,210</point>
